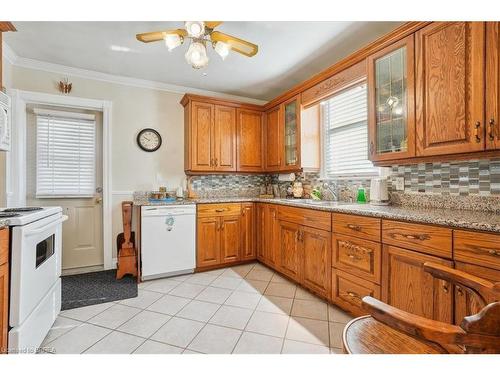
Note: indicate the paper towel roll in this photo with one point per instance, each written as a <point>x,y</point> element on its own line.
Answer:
<point>286,177</point>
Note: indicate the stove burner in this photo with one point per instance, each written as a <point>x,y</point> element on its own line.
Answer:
<point>22,209</point>
<point>4,215</point>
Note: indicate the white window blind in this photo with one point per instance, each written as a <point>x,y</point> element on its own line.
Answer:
<point>65,150</point>
<point>345,134</point>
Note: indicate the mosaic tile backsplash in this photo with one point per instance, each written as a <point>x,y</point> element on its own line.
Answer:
<point>216,186</point>
<point>474,177</point>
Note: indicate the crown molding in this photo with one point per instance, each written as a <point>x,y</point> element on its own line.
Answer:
<point>27,63</point>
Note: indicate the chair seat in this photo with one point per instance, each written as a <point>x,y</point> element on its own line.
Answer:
<point>365,335</point>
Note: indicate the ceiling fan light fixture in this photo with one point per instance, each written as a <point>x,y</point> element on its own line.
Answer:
<point>222,49</point>
<point>195,29</point>
<point>172,41</point>
<point>196,55</point>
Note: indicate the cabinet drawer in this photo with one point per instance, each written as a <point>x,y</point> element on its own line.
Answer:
<point>358,226</point>
<point>423,238</point>
<point>219,209</point>
<point>482,249</point>
<point>358,257</point>
<point>4,245</point>
<point>303,216</point>
<point>348,290</point>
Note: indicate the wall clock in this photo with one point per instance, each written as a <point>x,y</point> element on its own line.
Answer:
<point>149,140</point>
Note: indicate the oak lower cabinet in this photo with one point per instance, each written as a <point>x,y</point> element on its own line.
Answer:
<point>290,250</point>
<point>219,235</point>
<point>407,286</point>
<point>230,238</point>
<point>317,260</point>
<point>4,288</point>
<point>268,251</point>
<point>208,242</point>
<point>248,231</point>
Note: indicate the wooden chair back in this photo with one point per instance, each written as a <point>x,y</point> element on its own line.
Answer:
<point>479,333</point>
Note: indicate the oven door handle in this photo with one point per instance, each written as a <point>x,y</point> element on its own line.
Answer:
<point>44,228</point>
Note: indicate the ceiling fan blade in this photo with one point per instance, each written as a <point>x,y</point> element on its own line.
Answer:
<point>212,24</point>
<point>155,36</point>
<point>237,44</point>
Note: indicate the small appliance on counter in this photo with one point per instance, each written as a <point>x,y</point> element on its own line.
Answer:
<point>379,193</point>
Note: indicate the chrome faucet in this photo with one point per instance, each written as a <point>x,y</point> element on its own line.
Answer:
<point>334,193</point>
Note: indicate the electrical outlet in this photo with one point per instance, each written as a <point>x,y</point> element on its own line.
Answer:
<point>399,183</point>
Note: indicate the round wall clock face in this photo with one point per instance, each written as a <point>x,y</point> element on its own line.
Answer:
<point>149,140</point>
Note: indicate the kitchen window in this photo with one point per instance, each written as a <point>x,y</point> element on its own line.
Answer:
<point>65,154</point>
<point>344,120</point>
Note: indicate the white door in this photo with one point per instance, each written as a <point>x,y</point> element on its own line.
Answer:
<point>83,231</point>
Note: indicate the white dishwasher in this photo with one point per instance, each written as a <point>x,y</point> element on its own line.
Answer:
<point>168,240</point>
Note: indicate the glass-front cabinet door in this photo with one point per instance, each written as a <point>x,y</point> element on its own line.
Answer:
<point>391,112</point>
<point>291,133</point>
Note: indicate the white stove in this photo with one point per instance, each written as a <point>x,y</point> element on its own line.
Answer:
<point>35,283</point>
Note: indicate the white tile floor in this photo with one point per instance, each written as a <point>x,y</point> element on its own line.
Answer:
<point>242,310</point>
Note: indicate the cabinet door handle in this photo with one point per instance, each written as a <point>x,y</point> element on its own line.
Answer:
<point>446,287</point>
<point>459,290</point>
<point>491,133</point>
<point>372,148</point>
<point>476,131</point>
<point>211,162</point>
<point>216,162</point>
<point>494,252</point>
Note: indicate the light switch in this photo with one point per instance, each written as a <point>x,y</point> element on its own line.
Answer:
<point>399,183</point>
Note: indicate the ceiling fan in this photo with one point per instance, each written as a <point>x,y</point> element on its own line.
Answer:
<point>200,33</point>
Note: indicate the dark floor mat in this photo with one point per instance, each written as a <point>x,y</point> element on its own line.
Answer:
<point>96,287</point>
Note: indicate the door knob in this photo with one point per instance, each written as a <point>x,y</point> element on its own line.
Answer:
<point>98,200</point>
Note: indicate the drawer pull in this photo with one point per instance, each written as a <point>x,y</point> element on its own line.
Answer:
<point>419,237</point>
<point>220,209</point>
<point>494,252</point>
<point>353,295</point>
<point>355,248</point>
<point>357,228</point>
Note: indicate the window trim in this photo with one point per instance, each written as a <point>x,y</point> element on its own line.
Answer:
<point>344,176</point>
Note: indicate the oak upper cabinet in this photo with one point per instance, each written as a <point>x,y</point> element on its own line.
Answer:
<point>250,140</point>
<point>225,139</point>
<point>207,242</point>
<point>493,85</point>
<point>407,286</point>
<point>290,242</point>
<point>248,229</point>
<point>391,108</point>
<point>291,133</point>
<point>450,102</point>
<point>273,139</point>
<point>201,137</point>
<point>222,136</point>
<point>317,261</point>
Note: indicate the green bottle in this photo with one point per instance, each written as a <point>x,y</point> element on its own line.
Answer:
<point>361,195</point>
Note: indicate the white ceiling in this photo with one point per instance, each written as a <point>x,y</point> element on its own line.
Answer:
<point>289,52</point>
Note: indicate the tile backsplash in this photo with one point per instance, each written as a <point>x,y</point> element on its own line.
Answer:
<point>473,177</point>
<point>217,186</point>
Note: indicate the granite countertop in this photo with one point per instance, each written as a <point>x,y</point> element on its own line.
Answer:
<point>3,223</point>
<point>465,219</point>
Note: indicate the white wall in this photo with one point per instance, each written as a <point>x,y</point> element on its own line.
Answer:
<point>133,109</point>
<point>7,83</point>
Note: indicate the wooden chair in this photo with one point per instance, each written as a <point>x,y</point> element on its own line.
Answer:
<point>388,330</point>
